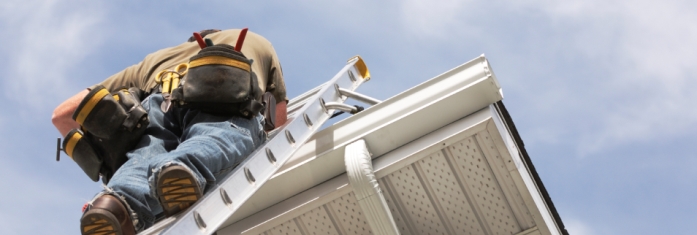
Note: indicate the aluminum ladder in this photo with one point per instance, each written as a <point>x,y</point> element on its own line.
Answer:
<point>307,113</point>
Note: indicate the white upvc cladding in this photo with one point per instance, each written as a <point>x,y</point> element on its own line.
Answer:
<point>455,180</point>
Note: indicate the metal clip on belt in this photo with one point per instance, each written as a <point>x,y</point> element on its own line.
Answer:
<point>169,80</point>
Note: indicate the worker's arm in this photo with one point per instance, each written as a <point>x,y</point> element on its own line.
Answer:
<point>62,116</point>
<point>277,87</point>
<point>133,76</point>
<point>281,113</point>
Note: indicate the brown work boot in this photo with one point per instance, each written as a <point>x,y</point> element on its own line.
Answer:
<point>177,189</point>
<point>107,216</point>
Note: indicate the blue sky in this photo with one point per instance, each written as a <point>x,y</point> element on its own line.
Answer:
<point>601,91</point>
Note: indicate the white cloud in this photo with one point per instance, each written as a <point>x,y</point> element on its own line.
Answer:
<point>49,38</point>
<point>652,48</point>
<point>644,53</point>
<point>433,19</point>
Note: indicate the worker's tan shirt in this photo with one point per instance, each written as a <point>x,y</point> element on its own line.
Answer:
<point>255,47</point>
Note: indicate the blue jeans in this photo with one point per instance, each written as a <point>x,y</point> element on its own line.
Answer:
<point>211,146</point>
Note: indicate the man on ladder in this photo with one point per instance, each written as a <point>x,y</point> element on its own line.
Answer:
<point>194,133</point>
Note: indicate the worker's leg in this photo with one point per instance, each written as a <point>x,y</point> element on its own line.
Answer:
<point>211,146</point>
<point>130,182</point>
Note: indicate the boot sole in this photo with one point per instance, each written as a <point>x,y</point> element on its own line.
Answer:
<point>99,222</point>
<point>177,190</point>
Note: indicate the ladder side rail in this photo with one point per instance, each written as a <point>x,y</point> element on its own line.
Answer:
<point>207,215</point>
<point>295,104</point>
<point>298,102</point>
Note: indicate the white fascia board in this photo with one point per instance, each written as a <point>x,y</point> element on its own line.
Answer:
<point>523,178</point>
<point>389,124</point>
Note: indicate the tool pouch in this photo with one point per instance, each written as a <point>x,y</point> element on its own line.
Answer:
<point>96,156</point>
<point>269,112</point>
<point>129,99</point>
<point>80,149</point>
<point>100,113</point>
<point>219,81</point>
<point>109,147</point>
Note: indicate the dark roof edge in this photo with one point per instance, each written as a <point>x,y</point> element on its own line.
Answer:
<point>521,146</point>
